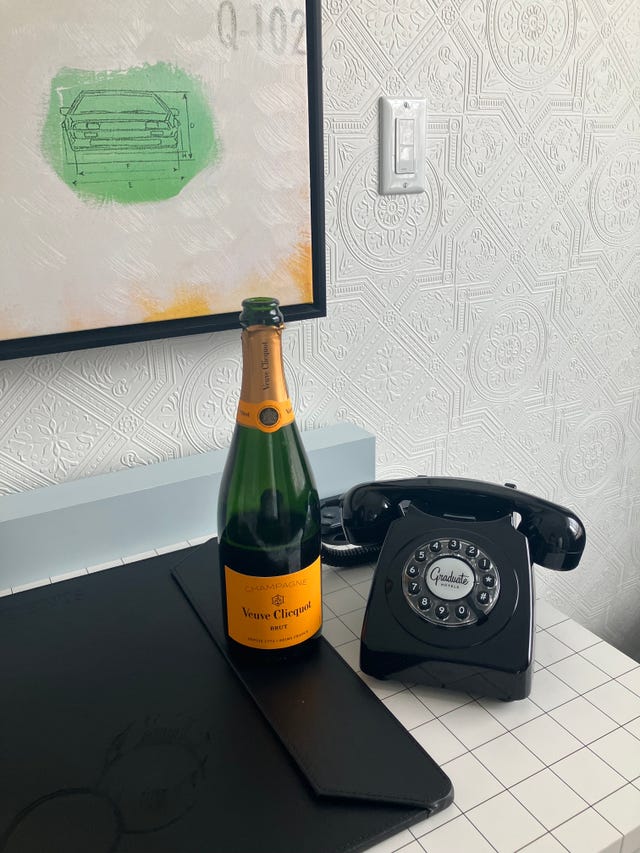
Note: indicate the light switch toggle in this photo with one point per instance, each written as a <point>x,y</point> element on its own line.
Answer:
<point>403,124</point>
<point>405,146</point>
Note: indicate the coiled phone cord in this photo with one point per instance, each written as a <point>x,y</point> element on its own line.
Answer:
<point>335,550</point>
<point>349,555</point>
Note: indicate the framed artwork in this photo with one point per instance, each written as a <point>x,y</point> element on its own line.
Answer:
<point>161,162</point>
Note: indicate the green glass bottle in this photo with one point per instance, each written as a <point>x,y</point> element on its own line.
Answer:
<point>268,508</point>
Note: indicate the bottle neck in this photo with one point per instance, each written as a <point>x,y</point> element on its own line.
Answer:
<point>264,398</point>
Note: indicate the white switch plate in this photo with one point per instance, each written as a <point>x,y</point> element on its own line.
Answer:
<point>401,168</point>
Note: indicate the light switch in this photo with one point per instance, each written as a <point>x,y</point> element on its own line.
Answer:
<point>402,145</point>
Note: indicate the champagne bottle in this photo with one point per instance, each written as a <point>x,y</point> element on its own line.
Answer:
<point>268,507</point>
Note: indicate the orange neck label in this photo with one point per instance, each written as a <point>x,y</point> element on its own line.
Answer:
<point>264,399</point>
<point>274,612</point>
<point>267,415</point>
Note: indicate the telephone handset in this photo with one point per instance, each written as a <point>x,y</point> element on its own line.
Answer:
<point>451,602</point>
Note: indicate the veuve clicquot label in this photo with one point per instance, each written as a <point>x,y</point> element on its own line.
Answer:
<point>274,612</point>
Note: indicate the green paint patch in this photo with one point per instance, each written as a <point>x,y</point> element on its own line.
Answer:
<point>128,136</point>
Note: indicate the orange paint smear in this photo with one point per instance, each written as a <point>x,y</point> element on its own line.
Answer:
<point>9,332</point>
<point>299,268</point>
<point>294,273</point>
<point>187,302</point>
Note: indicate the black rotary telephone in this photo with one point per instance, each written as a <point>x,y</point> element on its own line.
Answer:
<point>451,602</point>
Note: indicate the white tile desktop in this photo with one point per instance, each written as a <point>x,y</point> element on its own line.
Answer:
<point>509,760</point>
<point>363,588</point>
<point>548,649</point>
<point>438,741</point>
<point>512,714</point>
<point>423,827</point>
<point>353,620</point>
<point>615,700</point>
<point>408,709</point>
<point>550,799</point>
<point>400,841</point>
<point>332,581</point>
<point>578,673</point>
<point>545,844</point>
<point>621,751</point>
<point>589,832</point>
<point>336,632</point>
<point>438,700</point>
<point>382,689</point>
<point>546,615</point>
<point>609,659</point>
<point>588,775</point>
<point>350,652</point>
<point>344,600</point>
<point>459,834</point>
<point>506,823</point>
<point>622,810</point>
<point>412,847</point>
<point>355,575</point>
<point>545,774</point>
<point>634,728</point>
<point>574,635</point>
<point>548,691</point>
<point>631,680</point>
<point>472,724</point>
<point>583,719</point>
<point>472,782</point>
<point>547,739</point>
<point>327,612</point>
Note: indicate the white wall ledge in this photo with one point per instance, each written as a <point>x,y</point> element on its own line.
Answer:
<point>72,526</point>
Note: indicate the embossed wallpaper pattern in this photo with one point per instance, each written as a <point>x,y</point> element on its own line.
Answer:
<point>489,327</point>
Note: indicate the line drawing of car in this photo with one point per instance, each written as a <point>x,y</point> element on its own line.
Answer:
<point>121,121</point>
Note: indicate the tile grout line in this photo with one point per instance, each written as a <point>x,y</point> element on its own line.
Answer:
<point>625,782</point>
<point>597,666</point>
<point>469,821</point>
<point>539,822</point>
<point>615,828</point>
<point>611,679</point>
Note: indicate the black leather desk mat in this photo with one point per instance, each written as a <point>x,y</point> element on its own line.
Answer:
<point>343,739</point>
<point>124,730</point>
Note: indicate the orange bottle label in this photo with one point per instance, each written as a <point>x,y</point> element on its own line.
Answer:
<point>267,415</point>
<point>274,612</point>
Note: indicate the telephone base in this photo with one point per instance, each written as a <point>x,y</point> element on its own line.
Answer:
<point>451,605</point>
<point>466,678</point>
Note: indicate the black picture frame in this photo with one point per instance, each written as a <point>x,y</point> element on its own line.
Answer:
<point>109,336</point>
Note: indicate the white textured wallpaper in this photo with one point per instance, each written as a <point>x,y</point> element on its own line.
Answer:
<point>488,328</point>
